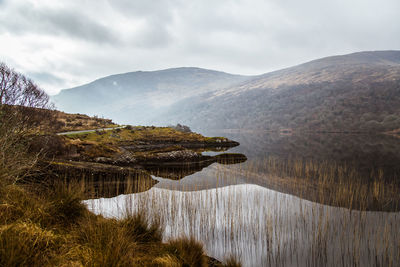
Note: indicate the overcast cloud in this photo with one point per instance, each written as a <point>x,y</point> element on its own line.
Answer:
<point>61,44</point>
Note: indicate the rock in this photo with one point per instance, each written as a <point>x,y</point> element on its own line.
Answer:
<point>177,155</point>
<point>181,128</point>
<point>103,160</point>
<point>125,159</point>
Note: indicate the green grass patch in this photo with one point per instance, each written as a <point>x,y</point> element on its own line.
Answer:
<point>141,133</point>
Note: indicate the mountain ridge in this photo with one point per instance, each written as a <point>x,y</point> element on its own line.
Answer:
<point>317,67</point>
<point>320,95</point>
<point>151,71</point>
<point>140,95</point>
<point>357,92</point>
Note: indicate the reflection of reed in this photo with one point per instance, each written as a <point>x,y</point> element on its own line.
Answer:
<point>267,228</point>
<point>324,182</point>
<point>101,180</point>
<point>117,186</point>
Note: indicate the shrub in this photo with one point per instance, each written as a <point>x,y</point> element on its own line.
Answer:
<point>65,206</point>
<point>140,230</point>
<point>188,251</point>
<point>105,242</point>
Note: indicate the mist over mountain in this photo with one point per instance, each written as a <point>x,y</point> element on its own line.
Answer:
<point>141,97</point>
<point>359,92</point>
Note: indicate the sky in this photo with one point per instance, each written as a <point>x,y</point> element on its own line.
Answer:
<point>66,43</point>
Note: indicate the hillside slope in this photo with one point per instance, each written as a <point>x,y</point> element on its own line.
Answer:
<point>140,97</point>
<point>358,92</point>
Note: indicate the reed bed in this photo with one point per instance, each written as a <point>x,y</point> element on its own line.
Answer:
<point>331,183</point>
<point>264,227</point>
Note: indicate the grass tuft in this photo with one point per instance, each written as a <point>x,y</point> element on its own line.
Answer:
<point>167,261</point>
<point>189,251</point>
<point>103,243</point>
<point>138,228</point>
<point>27,244</point>
<point>65,206</point>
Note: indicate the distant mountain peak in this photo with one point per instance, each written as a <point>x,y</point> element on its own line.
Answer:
<point>354,92</point>
<point>139,94</point>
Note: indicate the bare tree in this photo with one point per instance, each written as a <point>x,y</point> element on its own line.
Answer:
<point>17,90</point>
<point>22,99</point>
<point>23,107</point>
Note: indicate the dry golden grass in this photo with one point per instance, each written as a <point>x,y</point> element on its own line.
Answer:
<point>188,251</point>
<point>51,227</point>
<point>27,244</point>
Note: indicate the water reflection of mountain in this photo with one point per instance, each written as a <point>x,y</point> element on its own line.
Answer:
<point>366,153</point>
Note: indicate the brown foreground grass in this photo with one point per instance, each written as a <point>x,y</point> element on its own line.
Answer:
<point>50,226</point>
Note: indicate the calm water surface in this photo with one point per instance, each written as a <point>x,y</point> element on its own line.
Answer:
<point>237,209</point>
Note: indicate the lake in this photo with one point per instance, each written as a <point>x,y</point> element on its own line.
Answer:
<point>298,200</point>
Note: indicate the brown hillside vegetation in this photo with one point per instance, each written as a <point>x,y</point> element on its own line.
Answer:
<point>48,121</point>
<point>64,122</point>
<point>352,93</point>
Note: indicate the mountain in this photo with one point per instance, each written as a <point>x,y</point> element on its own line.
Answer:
<point>141,97</point>
<point>359,92</point>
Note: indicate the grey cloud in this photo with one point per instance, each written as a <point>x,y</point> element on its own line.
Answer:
<point>45,77</point>
<point>28,19</point>
<point>161,10</point>
<point>157,19</point>
<point>152,36</point>
<point>292,31</point>
<point>240,36</point>
<point>76,25</point>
